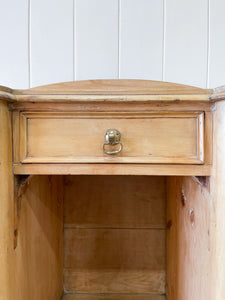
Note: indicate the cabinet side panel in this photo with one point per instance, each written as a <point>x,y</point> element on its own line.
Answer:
<point>188,239</point>
<point>6,205</point>
<point>39,252</point>
<point>218,204</point>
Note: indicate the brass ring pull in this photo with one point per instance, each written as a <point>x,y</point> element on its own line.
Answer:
<point>112,138</point>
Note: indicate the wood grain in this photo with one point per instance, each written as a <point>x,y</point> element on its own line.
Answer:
<point>115,87</point>
<point>6,94</point>
<point>39,252</point>
<point>108,244</point>
<point>23,137</point>
<point>7,207</point>
<point>188,240</point>
<point>106,104</point>
<point>113,169</point>
<point>113,297</point>
<point>114,202</point>
<point>218,205</point>
<point>146,138</point>
<point>114,260</point>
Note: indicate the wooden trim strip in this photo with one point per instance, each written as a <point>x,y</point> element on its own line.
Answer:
<point>112,98</point>
<point>112,115</point>
<point>112,169</point>
<point>113,160</point>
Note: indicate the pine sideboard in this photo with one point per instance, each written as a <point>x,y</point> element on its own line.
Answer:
<point>112,189</point>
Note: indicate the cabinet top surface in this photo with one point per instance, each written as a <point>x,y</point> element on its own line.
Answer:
<point>115,89</point>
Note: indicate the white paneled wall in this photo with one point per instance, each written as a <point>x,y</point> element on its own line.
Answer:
<point>48,41</point>
<point>217,43</point>
<point>96,39</point>
<point>141,39</point>
<point>186,41</point>
<point>14,58</point>
<point>51,41</point>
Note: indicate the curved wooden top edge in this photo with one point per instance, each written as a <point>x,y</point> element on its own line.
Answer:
<point>217,94</point>
<point>113,90</point>
<point>6,94</point>
<point>113,87</point>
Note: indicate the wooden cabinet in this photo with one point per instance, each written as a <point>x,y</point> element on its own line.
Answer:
<point>70,226</point>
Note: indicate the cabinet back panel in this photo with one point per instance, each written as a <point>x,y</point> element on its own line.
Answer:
<point>114,202</point>
<point>114,234</point>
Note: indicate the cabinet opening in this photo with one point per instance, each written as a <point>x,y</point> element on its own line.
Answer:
<point>113,237</point>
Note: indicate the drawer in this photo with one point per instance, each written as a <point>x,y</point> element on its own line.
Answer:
<point>171,138</point>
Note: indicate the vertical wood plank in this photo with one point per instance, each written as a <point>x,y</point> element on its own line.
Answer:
<point>188,240</point>
<point>217,230</point>
<point>23,136</point>
<point>14,44</point>
<point>6,206</point>
<point>16,136</point>
<point>96,39</point>
<point>141,39</point>
<point>186,42</point>
<point>217,44</point>
<point>39,252</point>
<point>51,38</point>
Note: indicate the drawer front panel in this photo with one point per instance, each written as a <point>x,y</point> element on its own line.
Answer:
<point>78,138</point>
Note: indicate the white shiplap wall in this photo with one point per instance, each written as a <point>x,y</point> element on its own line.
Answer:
<point>48,41</point>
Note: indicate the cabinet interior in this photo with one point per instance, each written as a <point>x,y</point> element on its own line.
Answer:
<point>112,237</point>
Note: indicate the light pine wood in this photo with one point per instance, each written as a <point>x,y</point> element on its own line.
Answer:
<point>115,86</point>
<point>111,90</point>
<point>114,260</point>
<point>218,93</point>
<point>113,297</point>
<point>16,136</point>
<point>112,221</point>
<point>23,137</point>
<point>208,137</point>
<point>173,140</point>
<point>188,240</point>
<point>114,202</point>
<point>114,90</point>
<point>24,99</point>
<point>113,169</point>
<point>217,231</point>
<point>110,106</point>
<point>6,94</point>
<point>146,138</point>
<point>38,262</point>
<point>114,226</point>
<point>6,206</point>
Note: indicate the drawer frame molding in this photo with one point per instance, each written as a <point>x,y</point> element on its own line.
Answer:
<point>21,133</point>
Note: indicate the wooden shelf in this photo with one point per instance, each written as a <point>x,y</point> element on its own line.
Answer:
<point>113,297</point>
